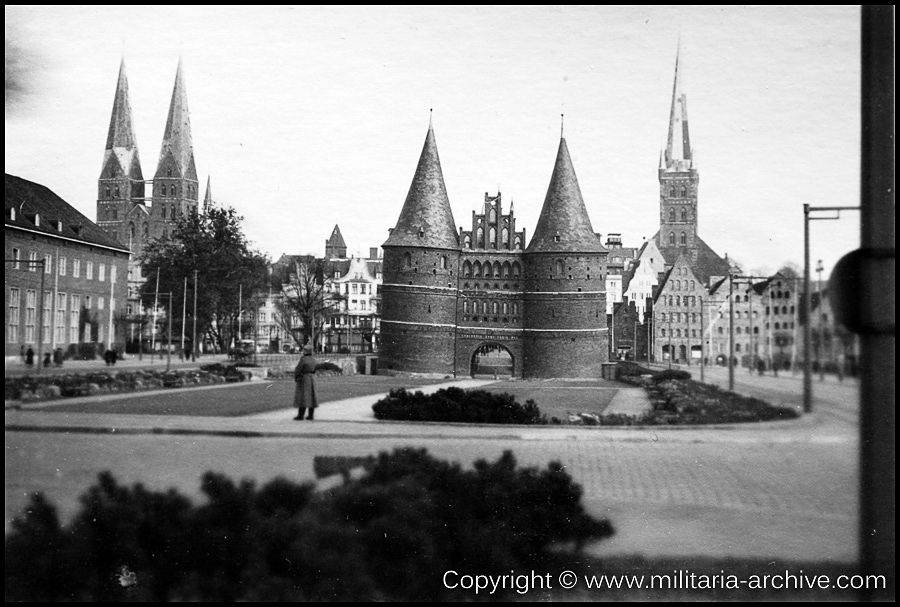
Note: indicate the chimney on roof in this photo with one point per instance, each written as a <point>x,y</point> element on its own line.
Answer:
<point>373,252</point>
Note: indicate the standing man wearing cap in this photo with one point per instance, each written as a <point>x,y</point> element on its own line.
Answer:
<point>304,377</point>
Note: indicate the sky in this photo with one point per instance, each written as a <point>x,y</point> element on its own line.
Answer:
<point>308,117</point>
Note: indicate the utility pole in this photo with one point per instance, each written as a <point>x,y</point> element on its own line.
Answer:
<point>730,332</point>
<point>194,350</point>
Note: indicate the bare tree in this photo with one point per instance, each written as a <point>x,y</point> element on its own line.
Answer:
<point>307,298</point>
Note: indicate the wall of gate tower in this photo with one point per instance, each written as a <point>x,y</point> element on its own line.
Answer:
<point>419,299</point>
<point>565,331</point>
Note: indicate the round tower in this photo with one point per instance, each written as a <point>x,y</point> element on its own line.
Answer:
<point>565,330</point>
<point>419,294</point>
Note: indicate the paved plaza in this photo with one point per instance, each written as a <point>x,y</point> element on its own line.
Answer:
<point>785,490</point>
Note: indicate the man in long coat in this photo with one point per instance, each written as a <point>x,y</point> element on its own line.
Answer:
<point>304,376</point>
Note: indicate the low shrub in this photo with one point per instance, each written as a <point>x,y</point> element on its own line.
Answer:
<point>328,367</point>
<point>457,405</point>
<point>387,536</point>
<point>668,374</point>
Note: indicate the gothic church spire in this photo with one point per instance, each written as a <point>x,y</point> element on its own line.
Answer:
<point>121,142</point>
<point>177,142</point>
<point>678,155</point>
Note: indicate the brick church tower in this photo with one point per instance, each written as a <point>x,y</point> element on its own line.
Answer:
<point>175,185</point>
<point>120,187</point>
<point>419,294</point>
<point>678,178</point>
<point>565,331</point>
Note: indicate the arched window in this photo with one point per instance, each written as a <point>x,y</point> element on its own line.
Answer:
<point>172,212</point>
<point>443,262</point>
<point>117,192</point>
<point>518,243</point>
<point>108,193</point>
<point>468,241</point>
<point>671,214</point>
<point>784,309</point>
<point>479,237</point>
<point>476,269</point>
<point>496,269</point>
<point>506,269</point>
<point>465,306</point>
<point>172,190</point>
<point>677,332</point>
<point>787,293</point>
<point>662,317</point>
<point>777,325</point>
<point>677,300</point>
<point>505,307</point>
<point>683,213</point>
<point>495,307</point>
<point>663,333</point>
<point>487,269</point>
<point>677,285</point>
<point>467,269</point>
<point>683,238</point>
<point>672,191</point>
<point>169,172</point>
<point>504,238</point>
<point>407,260</point>
<point>164,209</point>
<point>515,308</point>
<point>671,238</point>
<point>492,235</point>
<point>683,194</point>
<point>131,230</point>
<point>492,216</point>
<point>516,269</point>
<point>693,285</point>
<point>559,268</point>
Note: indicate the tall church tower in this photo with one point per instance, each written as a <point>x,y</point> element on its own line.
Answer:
<point>175,186</point>
<point>419,293</point>
<point>565,331</point>
<point>121,183</point>
<point>678,178</point>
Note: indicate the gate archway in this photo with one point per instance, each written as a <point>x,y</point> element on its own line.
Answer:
<point>492,360</point>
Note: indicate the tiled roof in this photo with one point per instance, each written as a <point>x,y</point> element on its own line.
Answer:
<point>564,225</point>
<point>30,198</point>
<point>706,265</point>
<point>426,219</point>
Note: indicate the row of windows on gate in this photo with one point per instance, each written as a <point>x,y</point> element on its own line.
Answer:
<point>63,301</point>
<point>674,192</point>
<point>493,307</point>
<point>163,191</point>
<point>673,215</point>
<point>492,240</point>
<point>489,270</point>
<point>18,263</point>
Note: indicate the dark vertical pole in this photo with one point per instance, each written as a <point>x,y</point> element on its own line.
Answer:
<point>807,313</point>
<point>702,341</point>
<point>877,390</point>
<point>43,320</point>
<point>169,336</point>
<point>194,338</point>
<point>731,332</point>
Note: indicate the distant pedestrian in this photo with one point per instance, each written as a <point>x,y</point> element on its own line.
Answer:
<point>113,356</point>
<point>760,366</point>
<point>58,357</point>
<point>29,357</point>
<point>305,394</point>
<point>46,359</point>
<point>22,354</point>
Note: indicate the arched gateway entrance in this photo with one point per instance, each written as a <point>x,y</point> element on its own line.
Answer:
<point>492,360</point>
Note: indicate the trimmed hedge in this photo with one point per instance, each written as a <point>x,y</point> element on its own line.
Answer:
<point>388,536</point>
<point>457,405</point>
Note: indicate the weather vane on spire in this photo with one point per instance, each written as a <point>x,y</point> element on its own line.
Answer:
<point>561,125</point>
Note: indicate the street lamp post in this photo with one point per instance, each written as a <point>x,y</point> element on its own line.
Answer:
<point>807,299</point>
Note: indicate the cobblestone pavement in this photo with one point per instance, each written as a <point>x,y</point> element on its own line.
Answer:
<point>781,489</point>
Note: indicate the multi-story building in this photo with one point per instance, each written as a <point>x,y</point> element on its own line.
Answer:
<point>77,296</point>
<point>451,298</point>
<point>619,264</point>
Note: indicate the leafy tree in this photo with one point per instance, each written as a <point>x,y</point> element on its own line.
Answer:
<point>212,244</point>
<point>307,298</point>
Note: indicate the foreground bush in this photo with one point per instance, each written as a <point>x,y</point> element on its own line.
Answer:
<point>388,536</point>
<point>457,405</point>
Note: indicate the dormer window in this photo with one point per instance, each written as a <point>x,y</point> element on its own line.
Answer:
<point>169,172</point>
<point>556,238</point>
<point>12,213</point>
<point>421,232</point>
<point>37,220</point>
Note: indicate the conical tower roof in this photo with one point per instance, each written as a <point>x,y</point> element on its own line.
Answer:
<point>564,225</point>
<point>121,141</point>
<point>678,154</point>
<point>426,219</point>
<point>337,239</point>
<point>177,140</point>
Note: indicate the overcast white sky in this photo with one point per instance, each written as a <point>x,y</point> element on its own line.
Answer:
<point>308,117</point>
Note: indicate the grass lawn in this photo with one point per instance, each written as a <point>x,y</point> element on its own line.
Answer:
<point>557,398</point>
<point>246,398</point>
